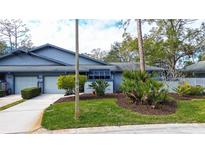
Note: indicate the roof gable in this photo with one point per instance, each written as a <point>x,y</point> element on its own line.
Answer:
<point>64,55</point>
<point>47,54</point>
<point>23,58</point>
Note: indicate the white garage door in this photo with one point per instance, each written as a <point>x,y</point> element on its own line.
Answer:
<point>50,85</point>
<point>25,82</point>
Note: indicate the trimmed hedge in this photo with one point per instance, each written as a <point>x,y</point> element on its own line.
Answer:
<point>30,92</point>
<point>2,93</point>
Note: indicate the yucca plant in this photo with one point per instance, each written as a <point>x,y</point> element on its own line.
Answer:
<point>99,86</point>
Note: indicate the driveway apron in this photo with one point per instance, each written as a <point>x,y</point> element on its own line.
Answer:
<point>26,117</point>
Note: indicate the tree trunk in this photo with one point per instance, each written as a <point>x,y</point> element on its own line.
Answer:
<point>77,105</point>
<point>10,42</point>
<point>15,36</point>
<point>140,45</point>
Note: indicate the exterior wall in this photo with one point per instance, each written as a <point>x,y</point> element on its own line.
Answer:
<point>63,56</point>
<point>88,89</point>
<point>10,79</point>
<point>24,59</point>
<point>114,83</point>
<point>117,78</point>
<point>41,82</point>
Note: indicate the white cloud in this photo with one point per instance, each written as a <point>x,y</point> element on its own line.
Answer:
<point>92,34</point>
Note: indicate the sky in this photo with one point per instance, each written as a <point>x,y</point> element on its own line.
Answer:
<point>92,33</point>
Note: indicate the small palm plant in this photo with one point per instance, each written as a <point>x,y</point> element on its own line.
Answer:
<point>99,86</point>
<point>141,88</point>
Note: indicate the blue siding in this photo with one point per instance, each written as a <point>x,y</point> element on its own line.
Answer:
<point>10,79</point>
<point>63,56</point>
<point>117,77</point>
<point>24,59</point>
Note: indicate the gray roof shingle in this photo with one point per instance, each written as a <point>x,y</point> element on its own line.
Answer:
<point>83,68</point>
<point>198,67</point>
<point>115,67</point>
<point>135,66</point>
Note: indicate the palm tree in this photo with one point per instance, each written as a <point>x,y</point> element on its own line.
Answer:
<point>140,45</point>
<point>77,105</point>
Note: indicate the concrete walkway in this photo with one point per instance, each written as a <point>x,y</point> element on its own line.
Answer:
<point>134,129</point>
<point>9,99</point>
<point>26,116</point>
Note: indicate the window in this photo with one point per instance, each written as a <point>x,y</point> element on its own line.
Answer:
<point>99,74</point>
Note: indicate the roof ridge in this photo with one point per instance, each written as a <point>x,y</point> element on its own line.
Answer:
<point>13,53</point>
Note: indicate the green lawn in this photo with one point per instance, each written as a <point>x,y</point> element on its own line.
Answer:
<point>11,104</point>
<point>106,112</point>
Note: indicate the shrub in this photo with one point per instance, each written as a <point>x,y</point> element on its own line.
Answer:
<point>183,89</point>
<point>99,86</point>
<point>2,93</point>
<point>186,89</point>
<point>141,88</point>
<point>197,90</point>
<point>67,82</point>
<point>30,92</point>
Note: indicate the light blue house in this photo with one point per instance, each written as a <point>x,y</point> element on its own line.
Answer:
<point>42,65</point>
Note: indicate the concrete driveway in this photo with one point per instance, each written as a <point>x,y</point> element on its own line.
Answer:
<point>9,99</point>
<point>26,116</point>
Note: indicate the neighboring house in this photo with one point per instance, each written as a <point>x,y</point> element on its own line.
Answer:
<point>196,70</point>
<point>42,65</point>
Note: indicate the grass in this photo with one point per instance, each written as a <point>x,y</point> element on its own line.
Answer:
<point>106,112</point>
<point>11,104</point>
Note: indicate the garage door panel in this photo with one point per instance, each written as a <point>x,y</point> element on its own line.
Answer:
<point>25,82</point>
<point>50,85</point>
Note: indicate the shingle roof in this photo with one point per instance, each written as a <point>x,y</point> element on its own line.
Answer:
<point>198,67</point>
<point>135,66</point>
<point>83,68</point>
<point>31,52</point>
<point>115,67</point>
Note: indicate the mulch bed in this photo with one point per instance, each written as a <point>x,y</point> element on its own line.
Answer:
<point>122,101</point>
<point>162,109</point>
<point>177,97</point>
<point>85,97</point>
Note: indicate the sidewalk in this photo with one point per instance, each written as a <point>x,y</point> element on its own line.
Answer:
<point>133,129</point>
<point>9,99</point>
